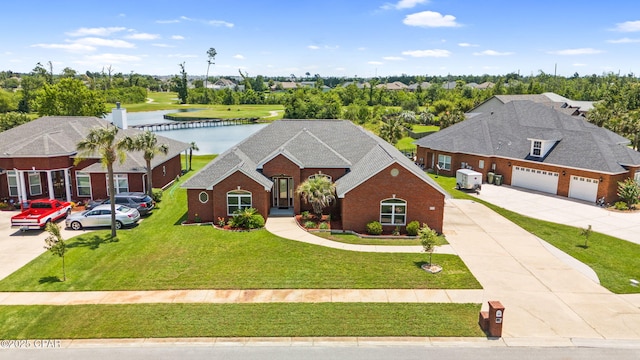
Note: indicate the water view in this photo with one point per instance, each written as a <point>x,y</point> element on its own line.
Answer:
<point>210,140</point>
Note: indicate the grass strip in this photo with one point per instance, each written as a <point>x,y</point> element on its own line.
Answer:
<point>238,320</point>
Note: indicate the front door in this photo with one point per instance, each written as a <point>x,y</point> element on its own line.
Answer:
<point>283,194</point>
<point>59,190</point>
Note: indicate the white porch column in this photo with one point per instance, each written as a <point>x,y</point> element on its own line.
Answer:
<point>67,184</point>
<point>22,189</point>
<point>50,185</point>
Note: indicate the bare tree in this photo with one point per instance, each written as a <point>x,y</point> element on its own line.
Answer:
<point>211,56</point>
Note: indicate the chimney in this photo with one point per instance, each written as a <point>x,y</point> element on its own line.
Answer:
<point>119,116</point>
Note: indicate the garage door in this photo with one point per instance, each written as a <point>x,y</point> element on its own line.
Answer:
<point>583,188</point>
<point>534,179</point>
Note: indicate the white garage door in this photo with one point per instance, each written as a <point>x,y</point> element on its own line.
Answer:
<point>534,179</point>
<point>583,188</point>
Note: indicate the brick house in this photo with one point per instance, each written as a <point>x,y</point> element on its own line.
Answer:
<point>37,161</point>
<point>374,181</point>
<point>534,146</point>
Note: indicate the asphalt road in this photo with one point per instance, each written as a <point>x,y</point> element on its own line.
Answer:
<point>322,352</point>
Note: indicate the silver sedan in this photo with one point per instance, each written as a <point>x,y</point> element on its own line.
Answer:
<point>101,216</point>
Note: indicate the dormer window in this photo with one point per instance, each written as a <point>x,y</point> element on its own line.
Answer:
<point>536,149</point>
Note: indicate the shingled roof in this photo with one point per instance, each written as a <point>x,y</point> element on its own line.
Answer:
<point>51,136</point>
<point>309,144</point>
<point>507,133</point>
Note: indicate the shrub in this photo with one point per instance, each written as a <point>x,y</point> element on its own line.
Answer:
<point>309,224</point>
<point>413,228</point>
<point>396,231</point>
<point>305,215</point>
<point>374,228</point>
<point>4,205</point>
<point>621,205</point>
<point>246,219</point>
<point>156,195</point>
<point>323,226</point>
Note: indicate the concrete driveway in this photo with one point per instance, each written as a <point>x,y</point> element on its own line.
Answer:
<point>562,210</point>
<point>17,248</point>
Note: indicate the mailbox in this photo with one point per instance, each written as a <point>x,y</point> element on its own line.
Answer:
<point>496,315</point>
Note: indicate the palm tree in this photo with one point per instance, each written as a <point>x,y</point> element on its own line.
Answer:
<point>319,191</point>
<point>147,142</point>
<point>391,130</point>
<point>211,56</point>
<point>102,141</point>
<point>192,147</point>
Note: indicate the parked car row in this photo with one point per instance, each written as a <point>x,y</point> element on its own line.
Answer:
<point>101,216</point>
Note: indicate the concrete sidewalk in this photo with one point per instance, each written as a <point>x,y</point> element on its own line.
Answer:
<point>243,296</point>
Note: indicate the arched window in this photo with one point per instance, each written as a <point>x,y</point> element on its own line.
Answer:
<point>320,175</point>
<point>238,200</point>
<point>393,212</point>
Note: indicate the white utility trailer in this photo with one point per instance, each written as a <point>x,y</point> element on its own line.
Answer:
<point>467,179</point>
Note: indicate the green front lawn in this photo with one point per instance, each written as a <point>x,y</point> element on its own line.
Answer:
<point>616,261</point>
<point>161,254</point>
<point>238,320</point>
<point>424,128</point>
<point>356,240</point>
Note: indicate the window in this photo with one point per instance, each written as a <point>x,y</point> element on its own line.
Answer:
<point>83,184</point>
<point>120,182</point>
<point>636,177</point>
<point>444,162</point>
<point>320,175</point>
<point>393,212</point>
<point>537,148</point>
<point>35,186</point>
<point>238,200</point>
<point>203,197</point>
<point>481,164</point>
<point>12,179</point>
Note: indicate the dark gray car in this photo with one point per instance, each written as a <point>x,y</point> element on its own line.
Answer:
<point>137,200</point>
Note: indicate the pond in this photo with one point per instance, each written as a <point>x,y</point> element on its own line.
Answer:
<point>210,140</point>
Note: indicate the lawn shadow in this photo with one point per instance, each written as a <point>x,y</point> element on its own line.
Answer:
<point>182,219</point>
<point>420,263</point>
<point>92,242</point>
<point>582,246</point>
<point>49,280</point>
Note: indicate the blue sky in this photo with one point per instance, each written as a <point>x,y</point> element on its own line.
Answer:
<point>363,38</point>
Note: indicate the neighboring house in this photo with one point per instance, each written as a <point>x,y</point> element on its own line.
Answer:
<point>423,85</point>
<point>374,181</point>
<point>222,83</point>
<point>285,85</point>
<point>536,147</point>
<point>485,85</point>
<point>569,107</point>
<point>393,86</point>
<point>37,161</point>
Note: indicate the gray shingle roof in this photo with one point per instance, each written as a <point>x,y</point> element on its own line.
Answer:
<point>58,135</point>
<point>312,144</point>
<point>507,132</point>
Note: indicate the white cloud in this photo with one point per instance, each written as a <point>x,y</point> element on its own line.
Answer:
<point>162,45</point>
<point>177,37</point>
<point>167,21</point>
<point>313,47</point>
<point>142,36</point>
<point>393,58</point>
<point>430,19</point>
<point>581,51</point>
<point>238,56</point>
<point>115,43</point>
<point>72,47</point>
<point>375,63</point>
<point>628,26</point>
<point>220,23</point>
<point>361,48</point>
<point>579,64</point>
<point>427,53</point>
<point>341,69</point>
<point>467,45</point>
<point>492,53</point>
<point>403,4</point>
<point>99,31</point>
<point>623,41</point>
